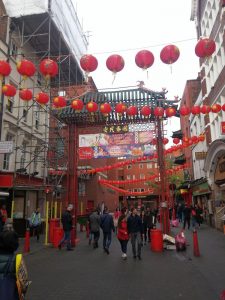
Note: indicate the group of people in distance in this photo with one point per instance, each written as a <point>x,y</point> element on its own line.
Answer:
<point>189,215</point>
<point>133,225</point>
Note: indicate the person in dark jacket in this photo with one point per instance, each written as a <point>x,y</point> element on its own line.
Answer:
<point>9,243</point>
<point>135,230</point>
<point>107,226</point>
<point>67,222</point>
<point>94,221</point>
<point>187,216</point>
<point>149,220</point>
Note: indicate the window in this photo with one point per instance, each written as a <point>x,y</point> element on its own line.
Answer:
<point>140,166</point>
<point>142,176</point>
<point>142,190</point>
<point>133,176</point>
<point>81,188</point>
<point>9,105</point>
<point>37,117</point>
<point>6,158</point>
<point>135,190</point>
<point>156,165</point>
<point>149,165</point>
<point>35,160</point>
<point>23,155</point>
<point>128,177</point>
<point>13,49</point>
<point>25,112</point>
<point>129,167</point>
<point>60,147</point>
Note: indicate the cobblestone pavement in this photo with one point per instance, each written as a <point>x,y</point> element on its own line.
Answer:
<point>86,273</point>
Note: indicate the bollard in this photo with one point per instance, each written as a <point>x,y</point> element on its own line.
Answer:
<point>26,248</point>
<point>195,244</point>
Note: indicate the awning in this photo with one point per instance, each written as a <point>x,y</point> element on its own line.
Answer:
<point>201,189</point>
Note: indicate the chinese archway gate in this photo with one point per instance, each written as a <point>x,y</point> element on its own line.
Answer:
<point>138,98</point>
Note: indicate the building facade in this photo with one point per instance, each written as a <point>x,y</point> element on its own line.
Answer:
<point>209,17</point>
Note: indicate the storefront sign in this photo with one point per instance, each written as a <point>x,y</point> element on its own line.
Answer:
<point>6,147</point>
<point>6,180</point>
<point>201,189</point>
<point>200,155</point>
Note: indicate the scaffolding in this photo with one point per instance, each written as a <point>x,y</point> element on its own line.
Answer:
<point>41,150</point>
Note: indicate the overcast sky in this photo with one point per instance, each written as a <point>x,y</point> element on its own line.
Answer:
<point>126,26</point>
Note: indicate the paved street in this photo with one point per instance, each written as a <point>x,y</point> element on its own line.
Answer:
<point>91,274</point>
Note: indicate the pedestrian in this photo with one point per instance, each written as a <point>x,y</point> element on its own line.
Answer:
<point>94,221</point>
<point>187,216</point>
<point>199,215</point>
<point>122,234</point>
<point>149,219</point>
<point>116,216</point>
<point>135,231</point>
<point>180,209</point>
<point>107,226</point>
<point>9,243</point>
<point>67,222</point>
<point>35,223</point>
<point>3,216</point>
<point>144,226</point>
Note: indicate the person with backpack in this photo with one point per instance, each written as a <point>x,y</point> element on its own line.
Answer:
<point>107,226</point>
<point>94,223</point>
<point>35,223</point>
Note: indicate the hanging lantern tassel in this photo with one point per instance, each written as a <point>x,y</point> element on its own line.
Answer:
<point>114,76</point>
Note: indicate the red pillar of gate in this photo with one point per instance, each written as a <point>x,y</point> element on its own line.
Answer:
<point>161,163</point>
<point>72,189</point>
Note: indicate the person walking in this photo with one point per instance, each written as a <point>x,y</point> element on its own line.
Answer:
<point>144,226</point>
<point>116,216</point>
<point>94,221</point>
<point>149,220</point>
<point>187,216</point>
<point>67,222</point>
<point>35,223</point>
<point>122,233</point>
<point>107,226</point>
<point>135,230</point>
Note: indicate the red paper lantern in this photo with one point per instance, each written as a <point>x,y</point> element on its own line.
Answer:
<point>26,94</point>
<point>205,109</point>
<point>146,111</point>
<point>144,59</point>
<point>184,110</point>
<point>59,102</point>
<point>42,98</point>
<point>5,69</point>
<point>92,106</point>
<point>215,108</point>
<point>48,68</point>
<point>26,68</point>
<point>77,105</point>
<point>201,138</point>
<point>223,107</point>
<point>115,63</point>
<point>105,108</point>
<point>205,47</point>
<point>169,54</point>
<point>176,141</point>
<point>120,108</point>
<point>165,141</point>
<point>9,90</point>
<point>132,110</point>
<point>170,112</point>
<point>194,139</point>
<point>185,139</point>
<point>88,63</point>
<point>195,110</point>
<point>159,111</point>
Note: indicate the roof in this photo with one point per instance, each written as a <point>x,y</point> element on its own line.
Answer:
<point>138,97</point>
